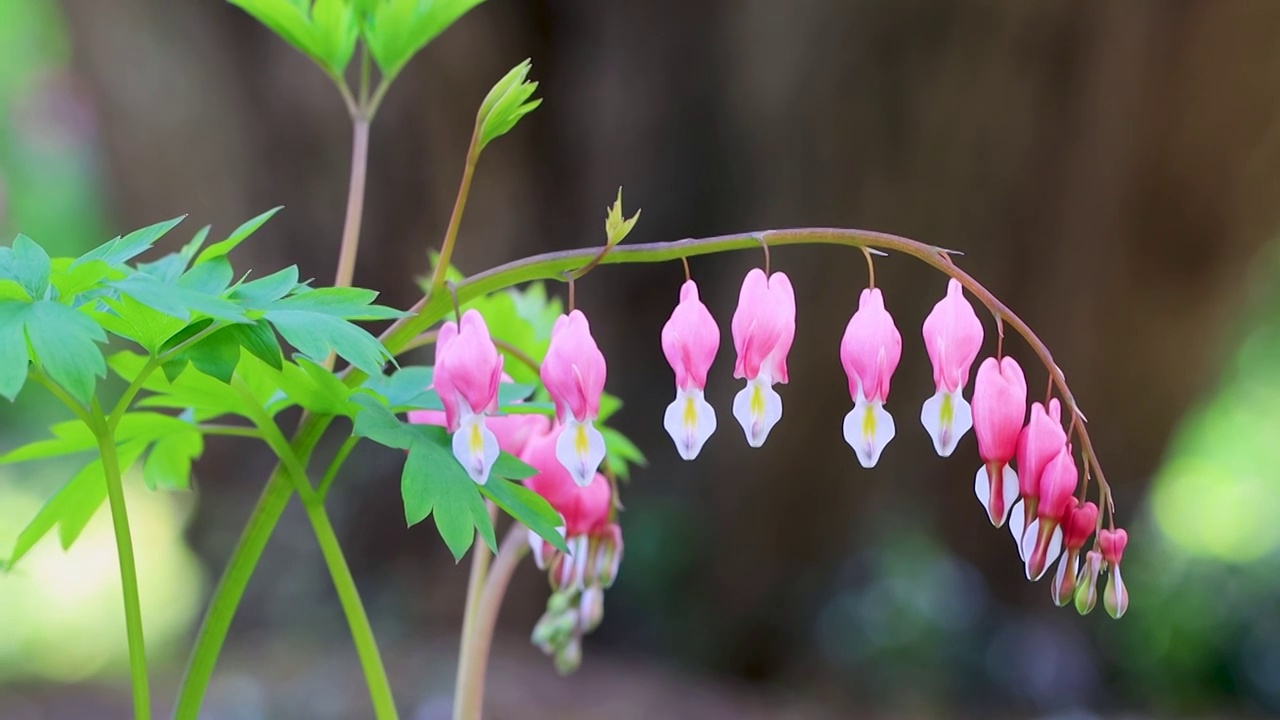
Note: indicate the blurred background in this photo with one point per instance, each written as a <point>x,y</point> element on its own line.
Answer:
<point>1111,170</point>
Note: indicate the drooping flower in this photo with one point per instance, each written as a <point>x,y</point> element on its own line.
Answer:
<point>595,543</point>
<point>1086,596</point>
<point>573,372</point>
<point>468,368</point>
<point>1039,442</point>
<point>952,335</point>
<point>764,326</point>
<point>1116,597</point>
<point>513,431</point>
<point>999,406</point>
<point>690,340</point>
<point>869,351</point>
<point>1043,540</point>
<point>1080,524</point>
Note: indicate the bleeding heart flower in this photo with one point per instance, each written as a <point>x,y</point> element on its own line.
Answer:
<point>999,406</point>
<point>1086,595</point>
<point>1040,441</point>
<point>468,368</point>
<point>584,510</point>
<point>764,326</point>
<point>1043,539</point>
<point>1116,597</point>
<point>869,351</point>
<point>952,336</point>
<point>573,372</point>
<point>690,340</point>
<point>1080,524</point>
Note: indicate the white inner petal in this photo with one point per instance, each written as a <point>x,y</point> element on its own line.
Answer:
<point>868,428</point>
<point>580,449</point>
<point>689,421</point>
<point>947,417</point>
<point>758,408</point>
<point>475,446</point>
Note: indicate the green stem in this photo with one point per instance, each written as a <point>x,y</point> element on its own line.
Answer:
<point>126,399</point>
<point>473,662</point>
<point>56,390</point>
<point>375,674</point>
<point>230,430</point>
<point>455,219</point>
<point>128,568</point>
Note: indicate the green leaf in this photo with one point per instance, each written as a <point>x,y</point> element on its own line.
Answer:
<point>65,343</point>
<point>512,468</point>
<point>506,103</point>
<point>433,483</point>
<point>609,404</point>
<point>316,334</point>
<point>209,278</point>
<point>71,278</point>
<point>13,348</point>
<point>168,465</point>
<point>217,355</point>
<point>346,303</point>
<point>616,226</point>
<point>205,396</point>
<point>262,292</point>
<point>315,388</point>
<point>404,389</point>
<point>242,233</point>
<point>177,301</point>
<point>527,507</point>
<point>120,250</point>
<point>71,508</point>
<point>138,322</point>
<point>396,30</point>
<point>336,31</point>
<point>29,265</point>
<point>260,340</point>
<point>376,422</point>
<point>290,22</point>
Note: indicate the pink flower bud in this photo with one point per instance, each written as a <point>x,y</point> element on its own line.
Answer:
<point>1081,524</point>
<point>573,372</point>
<point>1112,544</point>
<point>952,336</point>
<point>999,405</point>
<point>1116,596</point>
<point>1038,443</point>
<point>1044,534</point>
<point>605,557</point>
<point>1086,595</point>
<point>869,351</point>
<point>764,326</point>
<point>690,340</point>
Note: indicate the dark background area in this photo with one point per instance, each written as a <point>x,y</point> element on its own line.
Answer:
<point>1110,170</point>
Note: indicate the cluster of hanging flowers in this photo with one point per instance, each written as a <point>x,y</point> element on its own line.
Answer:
<point>1038,498</point>
<point>1049,520</point>
<point>566,453</point>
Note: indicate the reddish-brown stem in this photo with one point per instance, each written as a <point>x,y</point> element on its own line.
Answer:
<point>871,268</point>
<point>687,275</point>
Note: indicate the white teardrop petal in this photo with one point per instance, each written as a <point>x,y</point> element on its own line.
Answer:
<point>868,428</point>
<point>580,449</point>
<point>689,420</point>
<point>476,447</point>
<point>758,408</point>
